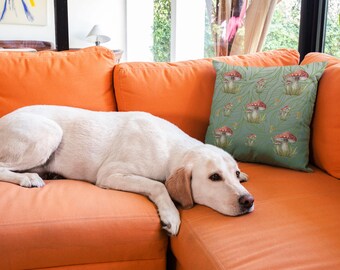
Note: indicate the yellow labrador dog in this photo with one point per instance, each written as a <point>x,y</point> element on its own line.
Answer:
<point>129,151</point>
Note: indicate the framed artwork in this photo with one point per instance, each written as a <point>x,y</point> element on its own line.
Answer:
<point>28,12</point>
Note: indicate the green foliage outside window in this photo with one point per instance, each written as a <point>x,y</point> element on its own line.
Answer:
<point>284,28</point>
<point>332,39</point>
<point>283,31</point>
<point>162,30</point>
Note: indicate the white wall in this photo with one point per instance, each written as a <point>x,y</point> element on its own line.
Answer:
<point>139,38</point>
<point>127,22</point>
<point>108,14</point>
<point>187,29</point>
<point>30,32</point>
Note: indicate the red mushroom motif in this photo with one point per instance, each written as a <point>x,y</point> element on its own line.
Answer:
<point>260,85</point>
<point>284,140</point>
<point>284,112</point>
<point>299,75</point>
<point>251,139</point>
<point>229,80</point>
<point>293,80</point>
<point>222,134</point>
<point>227,109</point>
<point>253,109</point>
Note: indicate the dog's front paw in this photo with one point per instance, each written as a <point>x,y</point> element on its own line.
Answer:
<point>171,222</point>
<point>31,180</point>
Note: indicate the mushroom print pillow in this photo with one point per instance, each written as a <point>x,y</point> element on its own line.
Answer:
<point>262,114</point>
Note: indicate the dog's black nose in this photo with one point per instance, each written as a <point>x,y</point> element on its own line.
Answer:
<point>246,201</point>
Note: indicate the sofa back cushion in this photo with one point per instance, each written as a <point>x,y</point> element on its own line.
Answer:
<point>80,79</point>
<point>325,125</point>
<point>181,92</point>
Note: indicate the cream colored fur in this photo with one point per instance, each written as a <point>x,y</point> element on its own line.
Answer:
<point>129,151</point>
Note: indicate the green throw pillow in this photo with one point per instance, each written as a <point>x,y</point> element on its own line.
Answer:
<point>262,114</point>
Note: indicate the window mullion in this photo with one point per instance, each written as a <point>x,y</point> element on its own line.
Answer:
<point>312,26</point>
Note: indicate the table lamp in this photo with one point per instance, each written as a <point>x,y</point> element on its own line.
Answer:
<point>96,35</point>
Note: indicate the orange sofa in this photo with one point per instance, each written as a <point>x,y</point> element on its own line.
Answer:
<point>70,224</point>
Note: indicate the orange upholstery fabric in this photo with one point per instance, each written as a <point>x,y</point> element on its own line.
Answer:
<point>181,92</point>
<point>79,79</point>
<point>320,57</point>
<point>295,225</point>
<point>69,223</point>
<point>124,265</point>
<point>325,125</point>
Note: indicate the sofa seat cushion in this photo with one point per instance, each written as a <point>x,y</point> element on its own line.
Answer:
<point>69,223</point>
<point>295,225</point>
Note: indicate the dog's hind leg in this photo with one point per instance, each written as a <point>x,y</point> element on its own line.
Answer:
<point>27,142</point>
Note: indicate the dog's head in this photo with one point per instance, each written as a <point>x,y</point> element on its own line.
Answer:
<point>211,177</point>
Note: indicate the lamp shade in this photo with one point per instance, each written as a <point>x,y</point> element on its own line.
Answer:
<point>96,35</point>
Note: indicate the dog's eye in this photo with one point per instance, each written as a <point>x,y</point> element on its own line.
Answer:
<point>238,174</point>
<point>215,177</point>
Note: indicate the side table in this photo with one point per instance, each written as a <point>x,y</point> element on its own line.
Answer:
<point>118,55</point>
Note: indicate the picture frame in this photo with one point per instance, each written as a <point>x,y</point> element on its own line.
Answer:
<point>24,12</point>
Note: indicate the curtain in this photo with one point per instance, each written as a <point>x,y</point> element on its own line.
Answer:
<point>242,24</point>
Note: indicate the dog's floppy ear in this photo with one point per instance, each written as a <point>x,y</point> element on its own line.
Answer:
<point>179,188</point>
<point>243,177</point>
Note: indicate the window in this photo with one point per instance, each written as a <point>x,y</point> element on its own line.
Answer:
<point>246,26</point>
<point>173,30</point>
<point>205,28</point>
<point>284,28</point>
<point>161,30</point>
<point>165,30</point>
<point>332,39</point>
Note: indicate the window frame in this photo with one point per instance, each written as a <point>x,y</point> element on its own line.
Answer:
<point>61,25</point>
<point>312,26</point>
